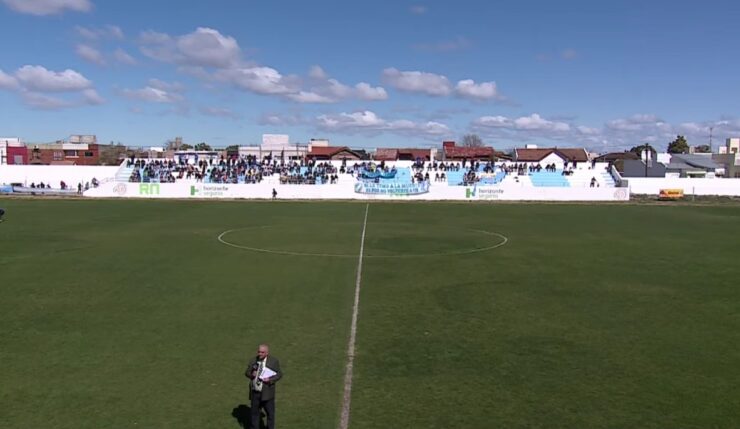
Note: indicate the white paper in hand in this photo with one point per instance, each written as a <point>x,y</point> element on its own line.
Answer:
<point>267,373</point>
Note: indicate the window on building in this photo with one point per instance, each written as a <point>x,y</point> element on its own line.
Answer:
<point>70,153</point>
<point>58,155</point>
<point>88,154</point>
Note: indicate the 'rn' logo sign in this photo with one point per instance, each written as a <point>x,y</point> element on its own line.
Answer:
<point>149,189</point>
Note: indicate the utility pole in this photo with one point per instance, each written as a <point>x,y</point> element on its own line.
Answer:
<point>710,138</point>
<point>646,158</point>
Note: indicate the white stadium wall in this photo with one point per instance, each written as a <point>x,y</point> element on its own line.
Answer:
<point>72,175</point>
<point>53,174</point>
<point>652,186</point>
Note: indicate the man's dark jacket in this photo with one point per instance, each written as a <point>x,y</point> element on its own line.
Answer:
<point>268,389</point>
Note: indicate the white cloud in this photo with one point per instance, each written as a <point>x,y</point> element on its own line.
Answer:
<point>34,83</point>
<point>617,134</point>
<point>569,54</point>
<point>438,85</point>
<point>123,57</point>
<point>369,122</point>
<point>367,92</point>
<point>92,97</point>
<point>309,97</point>
<point>152,95</point>
<point>218,112</point>
<point>478,91</point>
<point>316,72</point>
<point>494,122</point>
<point>587,131</point>
<point>96,33</point>
<point>38,78</point>
<point>87,33</point>
<point>207,46</point>
<point>418,9</point>
<point>321,89</point>
<point>204,47</point>
<point>166,86</point>
<point>282,119</point>
<point>115,32</point>
<point>90,54</point>
<point>48,7</point>
<point>324,89</point>
<point>40,101</point>
<point>693,128</point>
<point>531,123</point>
<point>530,127</point>
<point>44,102</point>
<point>417,81</point>
<point>634,123</point>
<point>7,81</point>
<point>261,80</point>
<point>536,122</point>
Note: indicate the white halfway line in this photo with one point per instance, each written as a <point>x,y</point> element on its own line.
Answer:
<point>347,397</point>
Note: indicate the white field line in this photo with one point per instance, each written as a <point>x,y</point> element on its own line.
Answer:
<point>503,242</point>
<point>347,396</point>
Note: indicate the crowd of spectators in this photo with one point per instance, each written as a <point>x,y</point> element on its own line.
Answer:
<point>153,171</point>
<point>232,170</point>
<point>94,183</point>
<point>249,169</point>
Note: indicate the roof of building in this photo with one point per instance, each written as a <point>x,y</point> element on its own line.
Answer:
<point>678,165</point>
<point>636,168</point>
<point>415,153</point>
<point>693,161</point>
<point>468,152</point>
<point>392,154</point>
<point>535,155</point>
<point>330,151</point>
<point>386,154</point>
<point>613,156</point>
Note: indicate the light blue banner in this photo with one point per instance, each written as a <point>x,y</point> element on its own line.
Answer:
<point>391,188</point>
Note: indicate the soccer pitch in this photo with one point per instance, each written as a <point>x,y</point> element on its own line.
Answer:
<point>123,314</point>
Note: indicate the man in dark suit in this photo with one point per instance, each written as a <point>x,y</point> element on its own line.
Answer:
<point>262,385</point>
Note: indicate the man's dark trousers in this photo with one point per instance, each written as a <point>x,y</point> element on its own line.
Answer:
<point>268,405</point>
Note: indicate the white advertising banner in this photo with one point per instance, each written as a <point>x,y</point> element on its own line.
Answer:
<point>348,191</point>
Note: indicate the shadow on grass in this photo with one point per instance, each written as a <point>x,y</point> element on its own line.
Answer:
<point>242,415</point>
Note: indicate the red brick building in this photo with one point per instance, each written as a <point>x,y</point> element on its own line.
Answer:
<point>402,154</point>
<point>64,154</point>
<point>16,155</point>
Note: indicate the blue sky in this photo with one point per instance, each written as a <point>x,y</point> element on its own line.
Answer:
<point>370,74</point>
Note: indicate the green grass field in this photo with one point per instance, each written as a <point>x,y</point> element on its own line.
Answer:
<point>125,314</point>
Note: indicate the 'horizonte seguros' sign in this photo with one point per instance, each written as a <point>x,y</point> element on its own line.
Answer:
<point>391,188</point>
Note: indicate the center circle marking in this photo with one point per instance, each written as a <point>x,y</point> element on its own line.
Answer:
<point>504,240</point>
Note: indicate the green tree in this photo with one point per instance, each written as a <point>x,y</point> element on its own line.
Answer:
<point>704,148</point>
<point>638,150</point>
<point>185,146</point>
<point>232,148</point>
<point>680,145</point>
<point>472,140</point>
<point>203,146</point>
<point>111,154</point>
